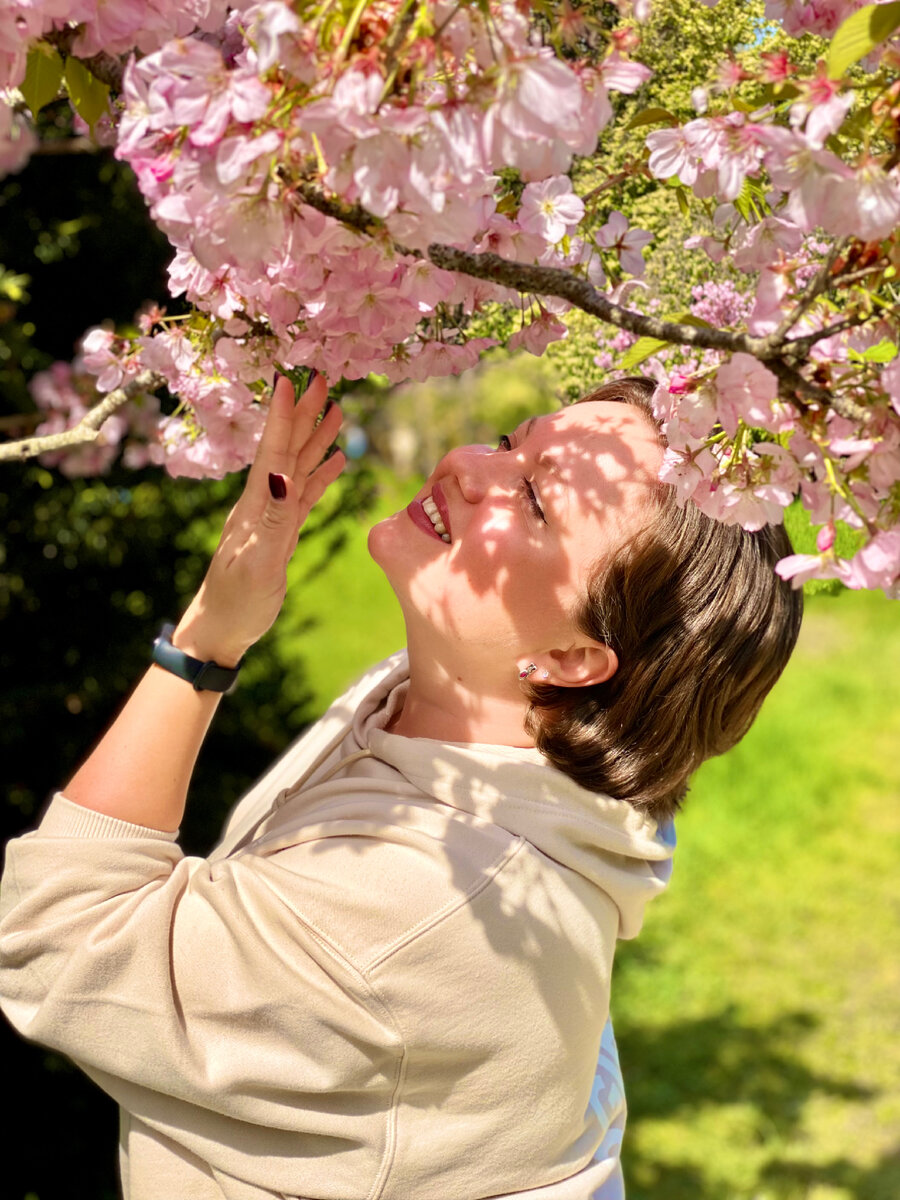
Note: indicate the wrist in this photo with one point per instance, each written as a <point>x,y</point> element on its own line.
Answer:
<point>195,636</point>
<point>204,675</point>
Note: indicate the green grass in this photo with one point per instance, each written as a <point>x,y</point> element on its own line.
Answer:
<point>757,1013</point>
<point>341,615</point>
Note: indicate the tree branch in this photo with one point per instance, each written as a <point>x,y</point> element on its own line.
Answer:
<point>774,349</point>
<point>553,281</point>
<point>807,297</point>
<point>88,428</point>
<point>352,215</point>
<point>105,67</point>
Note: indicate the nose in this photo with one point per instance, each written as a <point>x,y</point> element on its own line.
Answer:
<point>480,470</point>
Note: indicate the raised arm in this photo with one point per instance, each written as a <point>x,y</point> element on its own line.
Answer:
<point>141,768</point>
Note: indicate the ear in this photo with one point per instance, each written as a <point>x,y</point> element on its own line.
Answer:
<point>581,666</point>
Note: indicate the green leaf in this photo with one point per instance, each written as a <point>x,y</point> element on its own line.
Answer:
<point>90,97</point>
<point>884,352</point>
<point>43,75</point>
<point>686,318</point>
<point>650,116</point>
<point>683,203</point>
<point>643,348</point>
<point>861,32</point>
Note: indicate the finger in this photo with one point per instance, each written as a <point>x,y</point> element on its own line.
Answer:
<point>276,532</point>
<point>273,451</point>
<point>317,445</point>
<point>306,413</point>
<point>319,481</point>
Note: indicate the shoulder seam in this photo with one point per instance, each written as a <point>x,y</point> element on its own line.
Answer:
<point>449,908</point>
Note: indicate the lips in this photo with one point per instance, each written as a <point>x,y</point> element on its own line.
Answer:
<point>417,514</point>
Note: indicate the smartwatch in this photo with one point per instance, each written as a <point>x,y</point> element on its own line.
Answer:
<point>203,676</point>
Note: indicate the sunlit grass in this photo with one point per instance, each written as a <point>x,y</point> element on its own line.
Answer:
<point>341,615</point>
<point>757,1013</point>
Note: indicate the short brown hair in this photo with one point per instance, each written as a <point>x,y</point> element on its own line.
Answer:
<point>702,627</point>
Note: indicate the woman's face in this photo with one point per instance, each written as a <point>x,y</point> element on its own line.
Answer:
<point>525,524</point>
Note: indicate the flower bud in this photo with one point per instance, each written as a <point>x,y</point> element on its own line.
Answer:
<point>825,538</point>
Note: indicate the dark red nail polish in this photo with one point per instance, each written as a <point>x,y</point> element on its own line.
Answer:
<point>329,405</point>
<point>277,486</point>
<point>278,376</point>
<point>312,376</point>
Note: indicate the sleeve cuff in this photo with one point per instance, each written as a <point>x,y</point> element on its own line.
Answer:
<point>64,818</point>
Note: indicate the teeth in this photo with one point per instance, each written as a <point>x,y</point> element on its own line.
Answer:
<point>434,517</point>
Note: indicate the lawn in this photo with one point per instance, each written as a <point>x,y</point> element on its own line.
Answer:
<point>757,1014</point>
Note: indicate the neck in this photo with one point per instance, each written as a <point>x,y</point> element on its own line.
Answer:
<point>460,706</point>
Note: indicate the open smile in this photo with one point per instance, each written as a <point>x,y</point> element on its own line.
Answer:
<point>430,514</point>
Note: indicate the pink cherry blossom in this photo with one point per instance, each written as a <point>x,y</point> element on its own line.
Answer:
<point>627,243</point>
<point>877,564</point>
<point>799,568</point>
<point>18,140</point>
<point>537,335</point>
<point>550,208</point>
<point>748,390</point>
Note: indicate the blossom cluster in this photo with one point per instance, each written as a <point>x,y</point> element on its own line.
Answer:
<point>302,164</point>
<point>223,133</point>
<point>809,215</point>
<point>66,392</point>
<point>743,454</point>
<point>117,28</point>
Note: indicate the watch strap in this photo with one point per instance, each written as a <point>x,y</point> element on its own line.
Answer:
<point>203,676</point>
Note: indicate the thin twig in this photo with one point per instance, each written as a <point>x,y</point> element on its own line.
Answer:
<point>816,286</point>
<point>793,387</point>
<point>628,172</point>
<point>799,347</point>
<point>862,273</point>
<point>88,428</point>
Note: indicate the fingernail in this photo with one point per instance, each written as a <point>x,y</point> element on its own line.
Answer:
<point>277,486</point>
<point>312,376</point>
<point>329,405</point>
<point>278,376</point>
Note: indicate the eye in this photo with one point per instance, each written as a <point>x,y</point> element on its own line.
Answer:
<point>528,493</point>
<point>532,501</point>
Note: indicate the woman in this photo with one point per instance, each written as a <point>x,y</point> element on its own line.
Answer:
<point>391,979</point>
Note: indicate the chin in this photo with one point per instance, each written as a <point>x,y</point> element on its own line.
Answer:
<point>382,538</point>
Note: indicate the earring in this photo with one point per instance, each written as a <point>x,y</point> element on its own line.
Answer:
<point>545,674</point>
<point>529,670</point>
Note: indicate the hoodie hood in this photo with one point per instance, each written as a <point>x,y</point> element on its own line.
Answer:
<point>610,843</point>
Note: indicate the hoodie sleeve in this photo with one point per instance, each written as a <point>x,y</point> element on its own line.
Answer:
<point>171,975</point>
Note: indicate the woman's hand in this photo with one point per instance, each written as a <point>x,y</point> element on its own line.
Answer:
<point>246,582</point>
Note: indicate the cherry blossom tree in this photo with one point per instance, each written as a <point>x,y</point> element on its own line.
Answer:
<point>350,187</point>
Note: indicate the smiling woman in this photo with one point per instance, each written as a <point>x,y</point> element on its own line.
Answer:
<point>526,522</point>
<point>391,978</point>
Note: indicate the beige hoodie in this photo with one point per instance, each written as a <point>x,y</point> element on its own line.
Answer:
<point>390,980</point>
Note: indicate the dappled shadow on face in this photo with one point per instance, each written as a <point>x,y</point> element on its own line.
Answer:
<point>511,579</point>
<point>686,1069</point>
